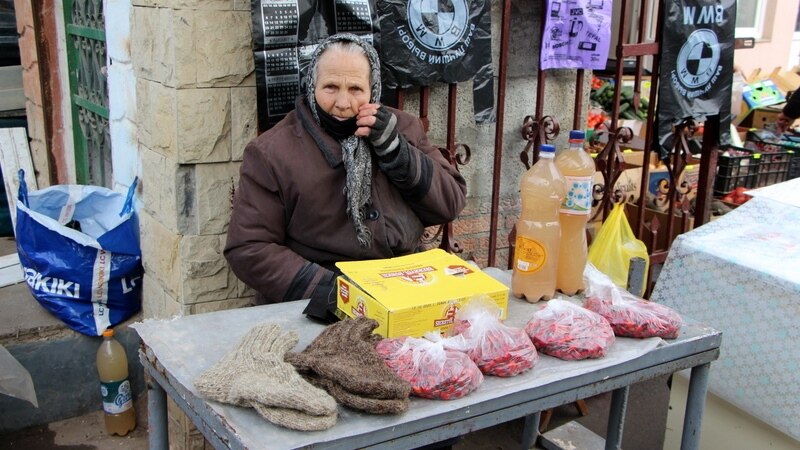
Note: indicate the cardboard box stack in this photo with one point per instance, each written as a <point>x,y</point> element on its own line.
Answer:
<point>763,96</point>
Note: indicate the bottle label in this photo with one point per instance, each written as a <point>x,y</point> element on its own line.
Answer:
<point>530,255</point>
<point>578,200</point>
<point>117,396</point>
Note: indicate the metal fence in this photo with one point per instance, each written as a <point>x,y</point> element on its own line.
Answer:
<point>639,48</point>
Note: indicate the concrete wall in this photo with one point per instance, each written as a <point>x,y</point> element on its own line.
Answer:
<point>125,158</point>
<point>472,228</point>
<point>774,48</point>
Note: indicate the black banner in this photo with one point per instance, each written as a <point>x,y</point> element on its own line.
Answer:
<point>285,34</point>
<point>452,40</point>
<point>425,41</point>
<point>696,69</point>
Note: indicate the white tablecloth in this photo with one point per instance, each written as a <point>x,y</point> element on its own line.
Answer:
<point>740,274</point>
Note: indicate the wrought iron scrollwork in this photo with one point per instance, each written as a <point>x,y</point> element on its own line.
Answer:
<point>91,70</point>
<point>89,13</point>
<point>90,88</point>
<point>537,132</point>
<point>610,164</point>
<point>681,151</point>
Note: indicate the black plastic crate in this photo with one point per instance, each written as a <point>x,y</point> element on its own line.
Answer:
<point>794,166</point>
<point>773,167</point>
<point>773,154</point>
<point>736,167</point>
<point>792,144</point>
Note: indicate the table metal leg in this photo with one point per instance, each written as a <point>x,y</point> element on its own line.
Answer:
<point>531,430</point>
<point>695,404</point>
<point>157,415</point>
<point>616,418</point>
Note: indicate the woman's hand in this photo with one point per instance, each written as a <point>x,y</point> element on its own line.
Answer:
<point>379,125</point>
<point>783,123</point>
<point>365,118</point>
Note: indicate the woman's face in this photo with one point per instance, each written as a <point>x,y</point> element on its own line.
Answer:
<point>342,83</point>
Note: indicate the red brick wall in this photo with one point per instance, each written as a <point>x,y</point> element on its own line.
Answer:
<point>471,229</point>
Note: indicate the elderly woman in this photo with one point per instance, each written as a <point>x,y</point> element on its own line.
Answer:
<point>339,178</point>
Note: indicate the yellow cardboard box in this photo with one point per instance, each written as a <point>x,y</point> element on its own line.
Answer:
<point>414,294</point>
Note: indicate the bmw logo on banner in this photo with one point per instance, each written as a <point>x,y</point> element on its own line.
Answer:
<point>439,26</point>
<point>696,69</point>
<point>428,41</point>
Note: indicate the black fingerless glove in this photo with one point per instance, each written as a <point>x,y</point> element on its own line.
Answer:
<point>383,136</point>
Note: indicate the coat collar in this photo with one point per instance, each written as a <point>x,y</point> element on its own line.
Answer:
<point>330,148</point>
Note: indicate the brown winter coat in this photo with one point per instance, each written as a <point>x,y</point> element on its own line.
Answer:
<point>289,214</point>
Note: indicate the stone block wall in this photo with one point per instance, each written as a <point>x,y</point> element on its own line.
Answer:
<point>195,102</point>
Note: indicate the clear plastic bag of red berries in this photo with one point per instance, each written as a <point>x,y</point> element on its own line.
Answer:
<point>629,315</point>
<point>496,348</point>
<point>432,371</point>
<point>570,332</point>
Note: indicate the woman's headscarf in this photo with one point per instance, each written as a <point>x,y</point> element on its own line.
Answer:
<point>356,152</point>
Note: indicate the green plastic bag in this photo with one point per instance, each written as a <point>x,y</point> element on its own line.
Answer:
<point>614,247</point>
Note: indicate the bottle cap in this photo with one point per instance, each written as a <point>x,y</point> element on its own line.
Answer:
<point>109,332</point>
<point>577,134</point>
<point>547,148</point>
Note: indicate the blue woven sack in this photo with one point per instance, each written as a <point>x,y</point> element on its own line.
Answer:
<point>79,250</point>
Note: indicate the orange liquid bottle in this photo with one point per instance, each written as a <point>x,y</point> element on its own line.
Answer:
<point>577,167</point>
<point>542,190</point>
<point>112,366</point>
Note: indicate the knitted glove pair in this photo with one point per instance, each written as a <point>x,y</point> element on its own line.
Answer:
<point>343,361</point>
<point>255,375</point>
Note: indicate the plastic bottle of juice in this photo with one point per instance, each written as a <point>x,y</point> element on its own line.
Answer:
<point>112,367</point>
<point>542,189</point>
<point>577,167</point>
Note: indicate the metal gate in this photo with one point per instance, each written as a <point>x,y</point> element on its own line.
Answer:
<point>86,60</point>
<point>634,45</point>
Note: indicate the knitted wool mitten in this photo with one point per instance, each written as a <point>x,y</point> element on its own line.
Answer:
<point>360,402</point>
<point>343,359</point>
<point>254,374</point>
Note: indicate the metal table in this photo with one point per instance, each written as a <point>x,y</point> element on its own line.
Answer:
<point>174,352</point>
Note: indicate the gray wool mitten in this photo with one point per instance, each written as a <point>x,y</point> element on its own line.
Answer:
<point>255,375</point>
<point>344,354</point>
